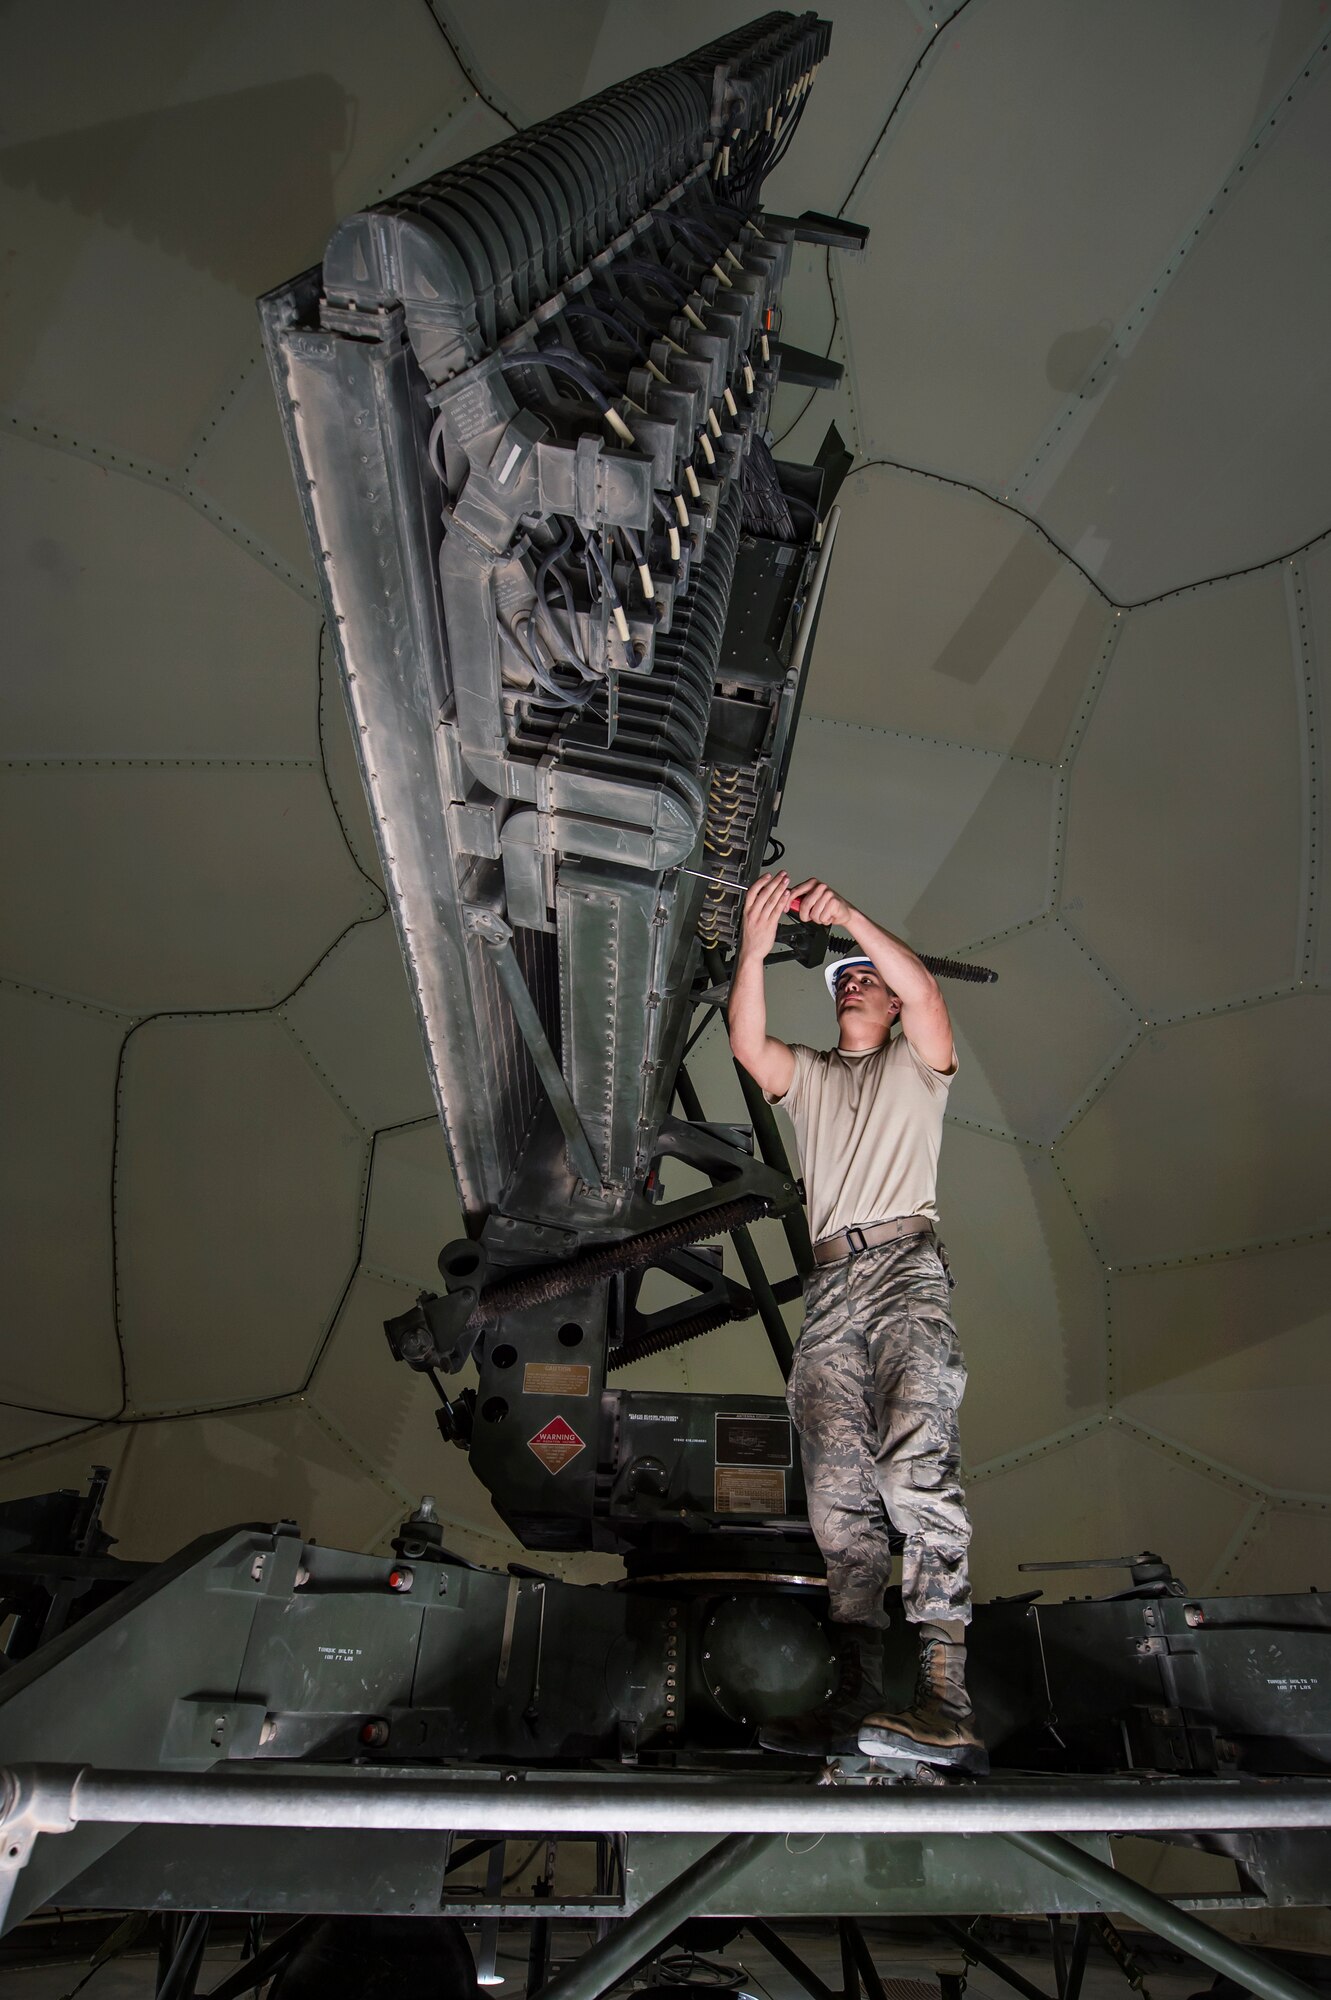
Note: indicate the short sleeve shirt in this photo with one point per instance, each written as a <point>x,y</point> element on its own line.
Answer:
<point>869,1124</point>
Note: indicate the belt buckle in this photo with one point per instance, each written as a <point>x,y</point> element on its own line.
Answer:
<point>856,1248</point>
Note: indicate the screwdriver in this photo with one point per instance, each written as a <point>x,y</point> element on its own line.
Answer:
<point>717,881</point>
<point>724,882</point>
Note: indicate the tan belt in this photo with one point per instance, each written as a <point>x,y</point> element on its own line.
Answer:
<point>851,1242</point>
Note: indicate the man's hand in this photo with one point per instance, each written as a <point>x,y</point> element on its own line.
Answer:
<point>817,904</point>
<point>764,906</point>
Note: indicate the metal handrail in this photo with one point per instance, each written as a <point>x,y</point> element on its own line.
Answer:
<point>54,1798</point>
<point>39,1798</point>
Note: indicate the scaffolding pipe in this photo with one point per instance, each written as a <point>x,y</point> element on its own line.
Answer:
<point>629,1942</point>
<point>44,1798</point>
<point>1118,1893</point>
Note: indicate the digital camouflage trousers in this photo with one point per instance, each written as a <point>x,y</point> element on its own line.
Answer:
<point>874,1392</point>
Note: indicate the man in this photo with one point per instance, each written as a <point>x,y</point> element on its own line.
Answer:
<point>878,1374</point>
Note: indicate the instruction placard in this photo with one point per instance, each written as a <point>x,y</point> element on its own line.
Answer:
<point>752,1437</point>
<point>748,1489</point>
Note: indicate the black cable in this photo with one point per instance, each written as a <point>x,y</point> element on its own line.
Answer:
<point>212,1013</point>
<point>576,359</point>
<point>681,1967</point>
<point>380,1132</point>
<point>561,364</point>
<point>1180,589</point>
<point>87,1423</point>
<point>1030,520</point>
<point>896,105</point>
<point>968,486</point>
<point>610,589</point>
<point>594,315</point>
<point>552,561</point>
<point>652,329</point>
<point>777,150</point>
<point>454,52</point>
<point>191,1014</point>
<point>650,272</point>
<point>692,225</point>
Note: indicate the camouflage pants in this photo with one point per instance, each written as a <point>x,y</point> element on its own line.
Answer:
<point>874,1391</point>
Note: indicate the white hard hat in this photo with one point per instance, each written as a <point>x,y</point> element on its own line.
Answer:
<point>832,972</point>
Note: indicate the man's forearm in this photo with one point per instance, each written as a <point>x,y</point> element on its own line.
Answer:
<point>907,977</point>
<point>746,1013</point>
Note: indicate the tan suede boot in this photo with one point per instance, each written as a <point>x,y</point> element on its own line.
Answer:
<point>939,1726</point>
<point>829,1730</point>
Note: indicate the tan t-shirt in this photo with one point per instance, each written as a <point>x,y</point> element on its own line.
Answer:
<point>869,1125</point>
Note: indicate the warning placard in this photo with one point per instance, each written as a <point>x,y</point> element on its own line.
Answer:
<point>748,1489</point>
<point>556,1378</point>
<point>555,1444</point>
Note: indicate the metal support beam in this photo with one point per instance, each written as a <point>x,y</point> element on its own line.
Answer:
<point>689,1101</point>
<point>487,1950</point>
<point>1118,1892</point>
<point>767,1135</point>
<point>471,1850</point>
<point>868,1971</point>
<point>990,1960</point>
<point>850,1977</point>
<point>538,1954</point>
<point>1060,1956</point>
<point>790,1961</point>
<point>256,1971</point>
<point>1081,1939</point>
<point>618,1953</point>
<point>181,1976</point>
<point>755,1276</point>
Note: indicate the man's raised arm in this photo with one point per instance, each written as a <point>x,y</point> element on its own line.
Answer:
<point>925,1021</point>
<point>768,1061</point>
